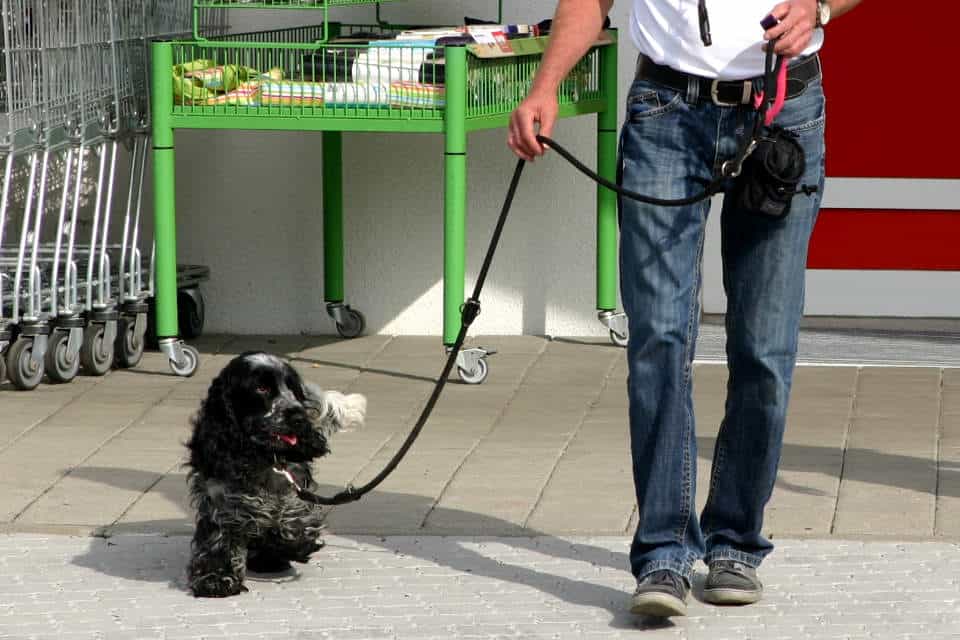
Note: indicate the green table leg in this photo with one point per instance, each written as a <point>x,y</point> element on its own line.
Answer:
<point>164,194</point>
<point>607,141</point>
<point>332,216</point>
<point>455,192</point>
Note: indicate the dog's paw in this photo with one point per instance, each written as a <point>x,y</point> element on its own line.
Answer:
<point>267,564</point>
<point>217,587</point>
<point>306,550</point>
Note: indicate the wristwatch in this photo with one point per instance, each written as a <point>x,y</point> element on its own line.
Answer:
<point>823,13</point>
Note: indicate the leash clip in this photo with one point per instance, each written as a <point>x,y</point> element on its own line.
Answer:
<point>469,311</point>
<point>732,168</point>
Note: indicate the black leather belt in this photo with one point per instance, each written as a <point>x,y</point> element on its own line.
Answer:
<point>727,93</point>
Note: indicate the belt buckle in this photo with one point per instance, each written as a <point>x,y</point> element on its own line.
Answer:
<point>744,98</point>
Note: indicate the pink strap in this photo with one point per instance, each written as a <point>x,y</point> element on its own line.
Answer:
<point>781,94</point>
<point>777,105</point>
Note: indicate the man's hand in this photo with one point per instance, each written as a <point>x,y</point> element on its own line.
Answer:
<point>795,29</point>
<point>539,107</point>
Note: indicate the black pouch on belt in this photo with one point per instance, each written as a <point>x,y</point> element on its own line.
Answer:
<point>771,174</point>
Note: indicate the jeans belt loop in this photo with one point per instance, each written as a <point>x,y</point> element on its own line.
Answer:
<point>744,98</point>
<point>693,90</point>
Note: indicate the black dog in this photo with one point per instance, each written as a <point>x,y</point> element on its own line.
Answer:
<point>255,434</point>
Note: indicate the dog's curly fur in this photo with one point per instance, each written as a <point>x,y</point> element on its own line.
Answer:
<point>258,417</point>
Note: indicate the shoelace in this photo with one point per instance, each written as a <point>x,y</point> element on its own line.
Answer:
<point>729,566</point>
<point>667,578</point>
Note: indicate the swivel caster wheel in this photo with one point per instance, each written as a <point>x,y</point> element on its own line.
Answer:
<point>477,376</point>
<point>184,359</point>
<point>96,352</point>
<point>617,339</point>
<point>62,363</point>
<point>350,322</point>
<point>25,372</point>
<point>188,364</point>
<point>472,365</point>
<point>618,326</point>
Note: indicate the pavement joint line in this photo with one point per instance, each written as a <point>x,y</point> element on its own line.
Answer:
<point>135,420</point>
<point>938,441</point>
<point>632,520</point>
<point>574,433</point>
<point>49,417</point>
<point>496,422</point>
<point>851,414</point>
<point>107,530</point>
<point>360,369</point>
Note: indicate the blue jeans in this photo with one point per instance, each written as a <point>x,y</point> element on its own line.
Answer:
<point>671,145</point>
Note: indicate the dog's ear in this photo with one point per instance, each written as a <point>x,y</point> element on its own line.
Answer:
<point>296,383</point>
<point>337,411</point>
<point>213,428</point>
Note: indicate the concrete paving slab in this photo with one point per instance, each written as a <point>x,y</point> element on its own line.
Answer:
<point>884,440</point>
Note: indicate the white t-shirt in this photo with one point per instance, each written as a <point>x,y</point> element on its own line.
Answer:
<point>668,32</point>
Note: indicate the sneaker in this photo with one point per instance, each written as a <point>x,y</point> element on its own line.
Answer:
<point>732,582</point>
<point>661,594</point>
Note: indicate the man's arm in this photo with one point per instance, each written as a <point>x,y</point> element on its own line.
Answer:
<point>576,25</point>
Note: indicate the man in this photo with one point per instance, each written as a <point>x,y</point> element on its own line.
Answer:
<point>687,110</point>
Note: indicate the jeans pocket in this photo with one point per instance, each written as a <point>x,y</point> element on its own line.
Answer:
<point>806,112</point>
<point>647,100</point>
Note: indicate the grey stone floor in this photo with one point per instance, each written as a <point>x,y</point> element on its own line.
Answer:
<point>541,447</point>
<point>509,518</point>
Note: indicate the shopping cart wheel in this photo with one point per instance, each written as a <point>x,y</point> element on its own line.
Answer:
<point>477,375</point>
<point>354,325</point>
<point>25,373</point>
<point>96,353</point>
<point>188,365</point>
<point>192,313</point>
<point>130,342</point>
<point>61,365</point>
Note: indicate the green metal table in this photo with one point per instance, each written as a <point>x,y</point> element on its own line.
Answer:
<point>275,87</point>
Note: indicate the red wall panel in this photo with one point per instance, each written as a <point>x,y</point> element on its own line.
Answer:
<point>897,240</point>
<point>893,92</point>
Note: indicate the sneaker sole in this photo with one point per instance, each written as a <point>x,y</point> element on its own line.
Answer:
<point>731,596</point>
<point>659,605</point>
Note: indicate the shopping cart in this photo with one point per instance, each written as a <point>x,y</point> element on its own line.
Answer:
<point>20,98</point>
<point>73,91</point>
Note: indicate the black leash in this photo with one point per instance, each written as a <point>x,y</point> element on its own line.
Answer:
<point>468,313</point>
<point>471,308</point>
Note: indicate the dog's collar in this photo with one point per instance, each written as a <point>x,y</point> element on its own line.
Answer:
<point>283,471</point>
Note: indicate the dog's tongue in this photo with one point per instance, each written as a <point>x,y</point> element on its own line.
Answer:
<point>289,439</point>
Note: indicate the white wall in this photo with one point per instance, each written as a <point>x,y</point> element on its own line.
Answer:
<point>249,207</point>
